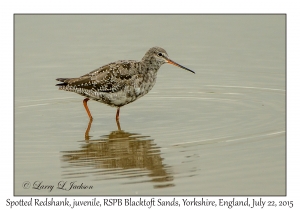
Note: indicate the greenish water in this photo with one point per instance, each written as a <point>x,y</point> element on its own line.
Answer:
<point>218,132</point>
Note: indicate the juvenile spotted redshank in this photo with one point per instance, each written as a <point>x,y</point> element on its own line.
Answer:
<point>119,83</point>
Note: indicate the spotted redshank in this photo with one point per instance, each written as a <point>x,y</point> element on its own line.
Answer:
<point>119,83</point>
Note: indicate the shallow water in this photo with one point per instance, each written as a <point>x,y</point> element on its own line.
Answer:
<point>220,131</point>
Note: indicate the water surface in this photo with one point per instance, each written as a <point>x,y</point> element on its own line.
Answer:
<point>220,131</point>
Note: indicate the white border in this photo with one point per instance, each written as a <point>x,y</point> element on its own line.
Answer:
<point>8,8</point>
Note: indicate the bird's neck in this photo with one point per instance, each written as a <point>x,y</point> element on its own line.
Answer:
<point>150,65</point>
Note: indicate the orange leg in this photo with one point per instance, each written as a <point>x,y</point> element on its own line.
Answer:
<point>87,136</point>
<point>119,126</point>
<point>117,115</point>
<point>87,108</point>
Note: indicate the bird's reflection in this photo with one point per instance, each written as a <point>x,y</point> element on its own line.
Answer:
<point>119,155</point>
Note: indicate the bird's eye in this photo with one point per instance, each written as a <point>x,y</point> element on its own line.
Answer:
<point>159,54</point>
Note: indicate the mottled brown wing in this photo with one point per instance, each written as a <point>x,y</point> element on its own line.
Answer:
<point>109,78</point>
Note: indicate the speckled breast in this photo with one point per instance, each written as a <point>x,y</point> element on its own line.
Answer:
<point>138,86</point>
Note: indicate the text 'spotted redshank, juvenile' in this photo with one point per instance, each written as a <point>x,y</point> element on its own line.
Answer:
<point>119,83</point>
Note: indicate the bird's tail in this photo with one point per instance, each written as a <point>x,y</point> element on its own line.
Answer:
<point>63,80</point>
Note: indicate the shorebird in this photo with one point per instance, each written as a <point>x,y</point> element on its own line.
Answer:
<point>119,83</point>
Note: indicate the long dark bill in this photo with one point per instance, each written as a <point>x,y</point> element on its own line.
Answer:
<point>176,64</point>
